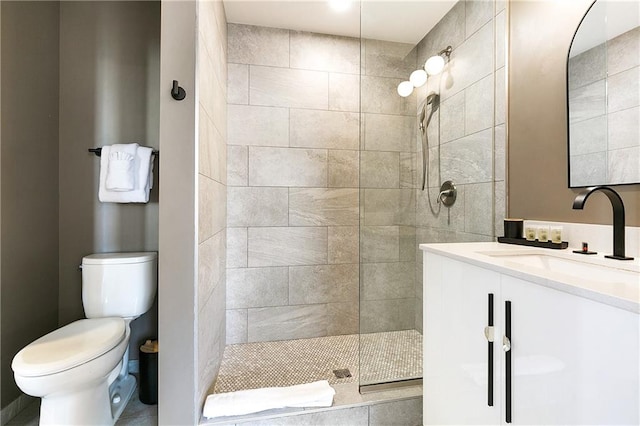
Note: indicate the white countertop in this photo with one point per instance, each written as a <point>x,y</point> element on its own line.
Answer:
<point>623,295</point>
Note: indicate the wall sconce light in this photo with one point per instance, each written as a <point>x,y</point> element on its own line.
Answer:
<point>418,78</point>
<point>435,64</point>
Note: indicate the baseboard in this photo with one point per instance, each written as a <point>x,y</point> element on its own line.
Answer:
<point>14,408</point>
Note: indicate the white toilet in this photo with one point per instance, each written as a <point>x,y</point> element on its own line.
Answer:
<point>80,370</point>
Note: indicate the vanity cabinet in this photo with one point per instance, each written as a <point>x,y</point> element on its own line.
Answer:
<point>573,360</point>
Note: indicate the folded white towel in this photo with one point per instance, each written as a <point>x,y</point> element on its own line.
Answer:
<point>120,171</point>
<point>316,394</point>
<point>142,177</point>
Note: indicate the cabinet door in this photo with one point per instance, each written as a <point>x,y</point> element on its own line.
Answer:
<point>456,379</point>
<point>574,361</point>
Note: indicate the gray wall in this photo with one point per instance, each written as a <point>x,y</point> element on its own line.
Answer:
<point>109,79</point>
<point>293,139</point>
<point>387,194</point>
<point>471,121</point>
<point>212,192</point>
<point>540,35</point>
<point>29,179</point>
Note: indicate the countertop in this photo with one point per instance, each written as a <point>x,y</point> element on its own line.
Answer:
<point>623,295</point>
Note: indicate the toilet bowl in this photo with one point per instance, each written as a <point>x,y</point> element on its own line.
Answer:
<point>72,368</point>
<point>80,370</point>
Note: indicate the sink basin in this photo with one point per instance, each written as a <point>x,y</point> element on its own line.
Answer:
<point>576,268</point>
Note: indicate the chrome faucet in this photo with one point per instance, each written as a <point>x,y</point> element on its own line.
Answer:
<point>618,217</point>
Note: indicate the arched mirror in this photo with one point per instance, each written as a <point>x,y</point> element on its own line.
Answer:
<point>603,77</point>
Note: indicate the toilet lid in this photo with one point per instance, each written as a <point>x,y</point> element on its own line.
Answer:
<point>69,346</point>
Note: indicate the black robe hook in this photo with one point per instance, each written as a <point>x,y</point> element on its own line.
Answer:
<point>177,92</point>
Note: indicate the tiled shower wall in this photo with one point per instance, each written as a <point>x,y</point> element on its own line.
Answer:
<point>387,233</point>
<point>471,126</point>
<point>293,139</point>
<point>212,191</point>
<point>604,112</point>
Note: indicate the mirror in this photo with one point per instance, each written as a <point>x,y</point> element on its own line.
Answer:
<point>603,75</point>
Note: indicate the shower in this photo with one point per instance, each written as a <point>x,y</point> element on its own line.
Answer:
<point>447,194</point>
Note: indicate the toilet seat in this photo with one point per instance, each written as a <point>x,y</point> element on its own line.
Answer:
<point>69,346</point>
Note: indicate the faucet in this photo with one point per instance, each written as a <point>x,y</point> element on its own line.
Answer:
<point>618,217</point>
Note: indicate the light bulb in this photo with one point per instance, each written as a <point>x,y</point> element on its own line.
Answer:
<point>434,65</point>
<point>340,5</point>
<point>405,89</point>
<point>418,78</point>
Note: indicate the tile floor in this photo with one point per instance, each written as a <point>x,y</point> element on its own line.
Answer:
<point>376,357</point>
<point>384,357</point>
<point>136,414</point>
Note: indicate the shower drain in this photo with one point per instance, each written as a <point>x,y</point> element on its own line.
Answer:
<point>342,373</point>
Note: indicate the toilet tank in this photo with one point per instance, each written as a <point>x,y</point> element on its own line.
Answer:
<point>119,284</point>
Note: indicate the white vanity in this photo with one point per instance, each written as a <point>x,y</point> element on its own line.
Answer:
<point>524,335</point>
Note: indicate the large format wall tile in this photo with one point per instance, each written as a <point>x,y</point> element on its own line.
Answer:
<point>450,31</point>
<point>323,283</point>
<point>407,412</point>
<point>387,281</point>
<point>388,59</point>
<point>387,315</point>
<point>389,132</point>
<point>587,101</point>
<point>379,244</point>
<point>452,119</point>
<point>389,207</point>
<point>286,87</point>
<point>588,67</point>
<point>344,92</point>
<point>471,61</point>
<point>236,326</point>
<point>305,167</point>
<point>479,208</point>
<point>379,169</point>
<point>258,126</point>
<point>258,45</point>
<point>588,168</point>
<point>324,129</point>
<point>379,95</point>
<point>477,14</point>
<point>321,52</point>
<point>588,136</point>
<point>236,247</point>
<point>286,322</point>
<point>320,206</point>
<point>469,159</point>
<point>238,84</point>
<point>287,246</point>
<point>624,165</point>
<point>623,52</point>
<point>623,128</point>
<point>212,215</point>
<point>343,318</point>
<point>257,206</point>
<point>343,244</point>
<point>623,90</point>
<point>257,287</point>
<point>343,169</point>
<point>478,103</point>
<point>237,165</point>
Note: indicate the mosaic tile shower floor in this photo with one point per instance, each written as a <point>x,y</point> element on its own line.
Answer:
<point>385,357</point>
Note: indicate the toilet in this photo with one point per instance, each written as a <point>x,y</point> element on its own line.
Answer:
<point>81,370</point>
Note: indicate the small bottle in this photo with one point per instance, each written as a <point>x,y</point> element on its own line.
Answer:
<point>556,234</point>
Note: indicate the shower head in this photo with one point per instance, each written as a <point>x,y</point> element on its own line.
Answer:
<point>423,114</point>
<point>433,99</point>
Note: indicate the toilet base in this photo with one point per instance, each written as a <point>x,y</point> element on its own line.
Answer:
<point>120,393</point>
<point>89,406</point>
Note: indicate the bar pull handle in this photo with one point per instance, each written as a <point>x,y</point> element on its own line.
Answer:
<point>177,92</point>
<point>506,346</point>
<point>489,334</point>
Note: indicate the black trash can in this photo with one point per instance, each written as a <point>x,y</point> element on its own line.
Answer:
<point>149,372</point>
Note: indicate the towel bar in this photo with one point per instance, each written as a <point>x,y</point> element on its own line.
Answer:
<point>98,151</point>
